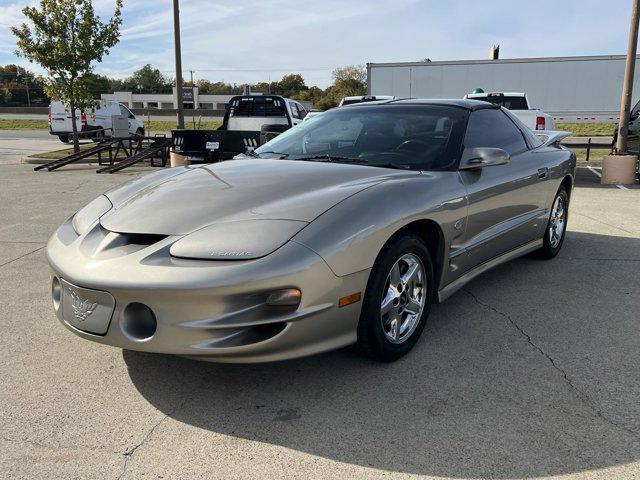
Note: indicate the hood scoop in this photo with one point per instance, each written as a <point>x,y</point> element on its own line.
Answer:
<point>101,243</point>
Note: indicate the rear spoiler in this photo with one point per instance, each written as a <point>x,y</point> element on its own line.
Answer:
<point>550,137</point>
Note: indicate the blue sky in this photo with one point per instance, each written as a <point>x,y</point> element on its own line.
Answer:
<point>252,40</point>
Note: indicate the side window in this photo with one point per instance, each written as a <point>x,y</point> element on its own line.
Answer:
<point>294,110</point>
<point>302,111</point>
<point>125,111</point>
<point>492,128</point>
<point>532,139</point>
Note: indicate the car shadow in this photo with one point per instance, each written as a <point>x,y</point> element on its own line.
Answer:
<point>482,395</point>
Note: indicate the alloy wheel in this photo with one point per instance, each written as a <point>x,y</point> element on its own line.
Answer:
<point>404,298</point>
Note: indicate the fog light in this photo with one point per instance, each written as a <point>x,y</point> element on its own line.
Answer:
<point>289,297</point>
<point>56,293</point>
<point>138,322</point>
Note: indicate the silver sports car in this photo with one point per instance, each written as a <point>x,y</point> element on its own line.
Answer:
<point>343,230</point>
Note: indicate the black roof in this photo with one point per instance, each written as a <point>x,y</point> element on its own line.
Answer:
<point>460,103</point>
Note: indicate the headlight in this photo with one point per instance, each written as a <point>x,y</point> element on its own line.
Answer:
<point>241,240</point>
<point>90,214</point>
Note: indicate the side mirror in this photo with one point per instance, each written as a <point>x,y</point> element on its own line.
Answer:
<point>473,158</point>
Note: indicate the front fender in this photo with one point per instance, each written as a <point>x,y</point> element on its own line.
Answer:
<point>350,235</point>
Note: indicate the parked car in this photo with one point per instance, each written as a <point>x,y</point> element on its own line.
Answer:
<point>344,230</point>
<point>363,99</point>
<point>262,112</point>
<point>95,124</point>
<point>633,136</point>
<point>519,104</point>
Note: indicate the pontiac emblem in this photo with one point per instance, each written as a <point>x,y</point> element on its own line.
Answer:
<point>81,308</point>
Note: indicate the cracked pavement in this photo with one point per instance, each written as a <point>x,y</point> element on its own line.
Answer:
<point>530,371</point>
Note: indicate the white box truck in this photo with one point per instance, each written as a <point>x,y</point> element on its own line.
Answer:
<point>95,124</point>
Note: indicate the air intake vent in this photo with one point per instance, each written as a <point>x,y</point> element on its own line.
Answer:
<point>141,239</point>
<point>101,243</point>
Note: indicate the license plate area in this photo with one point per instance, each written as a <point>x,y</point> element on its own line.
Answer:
<point>86,309</point>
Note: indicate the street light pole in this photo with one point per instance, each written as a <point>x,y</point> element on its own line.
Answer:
<point>193,99</point>
<point>627,87</point>
<point>176,34</point>
<point>620,168</point>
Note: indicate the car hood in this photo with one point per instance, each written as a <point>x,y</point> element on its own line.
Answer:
<point>189,198</point>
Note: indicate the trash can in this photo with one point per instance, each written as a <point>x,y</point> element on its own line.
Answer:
<point>178,159</point>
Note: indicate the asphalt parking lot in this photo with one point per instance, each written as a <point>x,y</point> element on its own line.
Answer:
<point>531,371</point>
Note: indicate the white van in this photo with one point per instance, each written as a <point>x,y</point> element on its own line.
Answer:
<point>95,124</point>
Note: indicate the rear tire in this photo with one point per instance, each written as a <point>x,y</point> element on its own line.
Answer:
<point>396,304</point>
<point>64,138</point>
<point>556,230</point>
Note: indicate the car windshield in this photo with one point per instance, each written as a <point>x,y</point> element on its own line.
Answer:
<point>416,137</point>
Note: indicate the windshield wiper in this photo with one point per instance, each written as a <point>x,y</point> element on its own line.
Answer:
<point>330,158</point>
<point>362,161</point>
<point>397,166</point>
<point>282,155</point>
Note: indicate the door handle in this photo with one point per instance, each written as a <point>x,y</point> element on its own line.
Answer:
<point>543,172</point>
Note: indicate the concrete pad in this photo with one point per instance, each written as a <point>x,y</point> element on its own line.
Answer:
<point>531,371</point>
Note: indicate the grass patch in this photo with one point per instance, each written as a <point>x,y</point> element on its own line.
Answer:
<point>56,154</point>
<point>10,124</point>
<point>577,129</point>
<point>597,129</point>
<point>153,126</point>
<point>595,157</point>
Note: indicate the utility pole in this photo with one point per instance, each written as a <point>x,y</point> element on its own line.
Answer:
<point>193,97</point>
<point>627,87</point>
<point>176,34</point>
<point>26,84</point>
<point>620,168</point>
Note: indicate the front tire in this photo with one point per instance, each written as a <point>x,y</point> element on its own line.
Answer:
<point>397,301</point>
<point>556,230</point>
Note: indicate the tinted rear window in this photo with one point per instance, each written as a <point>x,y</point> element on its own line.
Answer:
<point>510,103</point>
<point>359,100</point>
<point>257,107</point>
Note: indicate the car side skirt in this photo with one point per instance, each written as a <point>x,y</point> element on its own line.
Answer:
<point>457,284</point>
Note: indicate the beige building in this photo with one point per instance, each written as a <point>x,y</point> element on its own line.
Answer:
<point>169,100</point>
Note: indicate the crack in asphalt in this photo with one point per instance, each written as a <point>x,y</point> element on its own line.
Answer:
<point>583,396</point>
<point>22,256</point>
<point>129,451</point>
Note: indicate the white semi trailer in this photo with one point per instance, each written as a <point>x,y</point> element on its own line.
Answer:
<point>568,88</point>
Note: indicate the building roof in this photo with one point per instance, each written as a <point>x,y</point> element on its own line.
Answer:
<point>502,60</point>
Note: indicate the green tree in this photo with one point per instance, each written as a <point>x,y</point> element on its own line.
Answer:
<point>347,81</point>
<point>98,84</point>
<point>350,81</point>
<point>66,39</point>
<point>290,85</point>
<point>312,94</point>
<point>5,96</point>
<point>148,79</point>
<point>218,88</point>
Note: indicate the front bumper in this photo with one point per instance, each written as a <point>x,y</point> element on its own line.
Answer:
<point>210,310</point>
